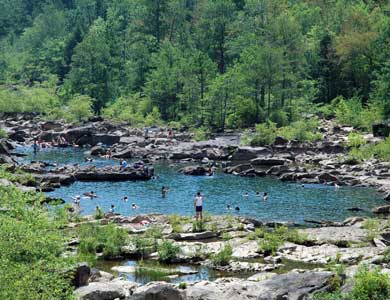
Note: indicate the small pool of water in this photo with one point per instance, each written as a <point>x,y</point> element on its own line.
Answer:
<point>286,201</point>
<point>147,271</point>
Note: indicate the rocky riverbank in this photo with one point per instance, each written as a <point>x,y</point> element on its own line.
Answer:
<point>324,162</point>
<point>299,267</point>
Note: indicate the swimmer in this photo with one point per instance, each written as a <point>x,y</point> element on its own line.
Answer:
<point>88,159</point>
<point>112,209</point>
<point>245,195</point>
<point>228,207</point>
<point>237,208</point>
<point>265,196</point>
<point>125,199</point>
<point>164,191</point>
<point>303,185</point>
<point>90,195</point>
<point>336,186</point>
<point>76,200</point>
<point>257,194</point>
<point>134,206</point>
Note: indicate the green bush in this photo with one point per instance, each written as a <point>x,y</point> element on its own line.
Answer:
<point>198,226</point>
<point>303,131</point>
<point>380,151</point>
<point>3,133</point>
<point>270,243</point>
<point>167,251</point>
<point>258,233</point>
<point>201,133</point>
<point>372,227</point>
<point>98,214</point>
<point>107,239</point>
<point>31,247</point>
<point>265,134</point>
<point>371,285</point>
<point>79,108</point>
<point>355,140</point>
<point>223,257</point>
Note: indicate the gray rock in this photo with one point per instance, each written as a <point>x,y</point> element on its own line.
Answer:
<point>195,170</point>
<point>158,291</point>
<point>385,209</point>
<point>101,291</point>
<point>194,236</point>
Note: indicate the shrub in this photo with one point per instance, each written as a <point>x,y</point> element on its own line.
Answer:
<point>167,251</point>
<point>201,133</point>
<point>355,140</point>
<point>270,243</point>
<point>182,285</point>
<point>3,133</point>
<point>222,258</point>
<point>31,247</point>
<point>371,285</point>
<point>107,239</point>
<point>79,108</point>
<point>372,227</point>
<point>265,134</point>
<point>303,131</point>
<point>226,236</point>
<point>175,222</point>
<point>198,226</point>
<point>294,236</point>
<point>258,233</point>
<point>99,214</point>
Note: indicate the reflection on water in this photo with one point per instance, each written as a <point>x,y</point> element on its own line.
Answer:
<point>286,201</point>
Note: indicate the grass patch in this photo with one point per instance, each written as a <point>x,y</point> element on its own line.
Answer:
<point>372,227</point>
<point>223,257</point>
<point>167,251</point>
<point>107,240</point>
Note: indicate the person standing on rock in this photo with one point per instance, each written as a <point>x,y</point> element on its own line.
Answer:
<point>198,203</point>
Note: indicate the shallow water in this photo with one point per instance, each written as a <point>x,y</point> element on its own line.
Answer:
<point>286,201</point>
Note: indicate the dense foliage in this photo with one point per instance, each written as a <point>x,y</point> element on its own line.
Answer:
<point>213,63</point>
<point>31,248</point>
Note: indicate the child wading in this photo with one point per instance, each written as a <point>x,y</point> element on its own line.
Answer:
<point>198,203</point>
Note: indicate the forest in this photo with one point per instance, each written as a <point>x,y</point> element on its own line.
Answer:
<point>216,64</point>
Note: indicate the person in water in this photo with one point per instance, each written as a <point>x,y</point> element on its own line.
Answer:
<point>76,200</point>
<point>90,194</point>
<point>228,207</point>
<point>125,199</point>
<point>134,206</point>
<point>257,194</point>
<point>336,186</point>
<point>245,195</point>
<point>164,191</point>
<point>112,209</point>
<point>265,196</point>
<point>35,146</point>
<point>198,204</point>
<point>237,208</point>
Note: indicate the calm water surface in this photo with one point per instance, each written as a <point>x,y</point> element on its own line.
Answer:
<point>286,201</point>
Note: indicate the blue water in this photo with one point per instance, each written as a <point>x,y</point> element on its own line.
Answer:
<point>286,201</point>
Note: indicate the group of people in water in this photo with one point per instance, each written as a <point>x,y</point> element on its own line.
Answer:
<point>198,201</point>
<point>60,141</point>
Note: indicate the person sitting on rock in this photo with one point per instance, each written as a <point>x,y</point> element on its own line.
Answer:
<point>123,164</point>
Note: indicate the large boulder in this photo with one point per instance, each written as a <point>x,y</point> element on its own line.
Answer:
<point>195,170</point>
<point>238,168</point>
<point>126,153</point>
<point>326,177</point>
<point>4,148</point>
<point>101,291</point>
<point>385,209</point>
<point>381,129</point>
<point>248,153</point>
<point>158,291</point>
<point>269,161</point>
<point>291,286</point>
<point>113,174</point>
<point>94,139</point>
